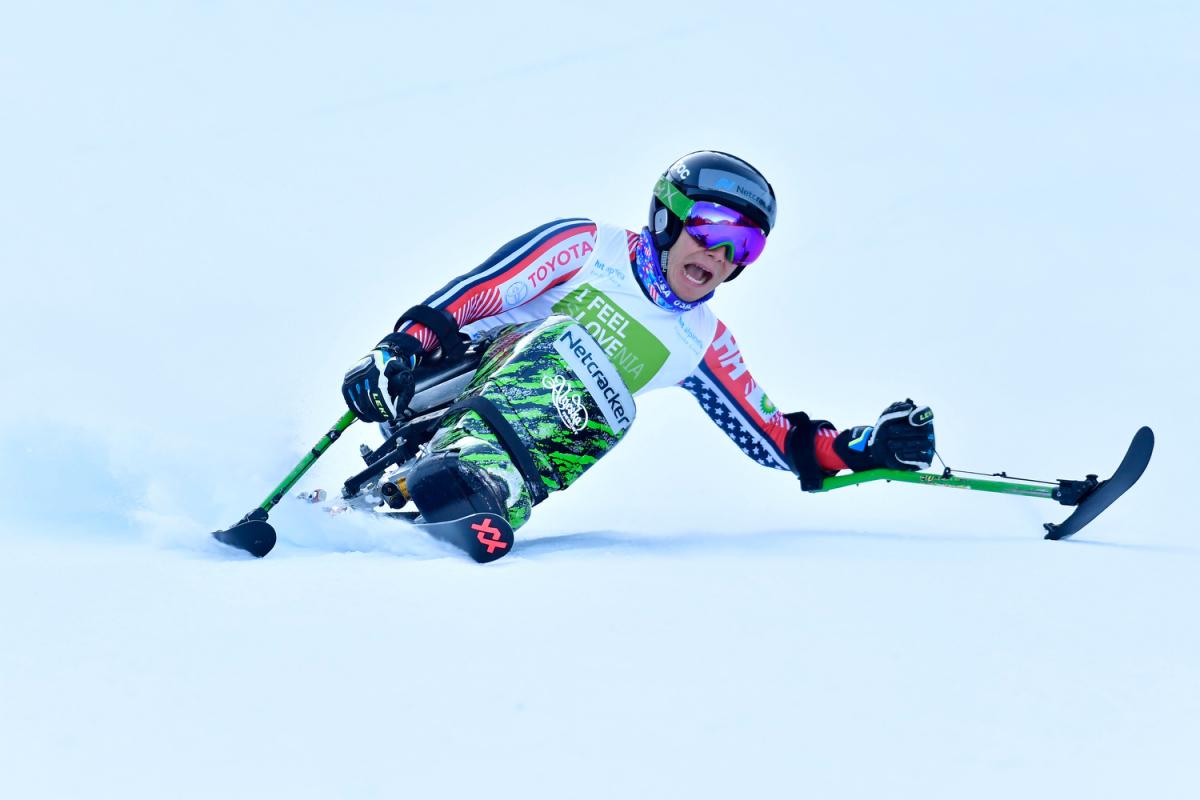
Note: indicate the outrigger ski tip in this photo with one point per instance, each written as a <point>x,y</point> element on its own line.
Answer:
<point>1098,496</point>
<point>1090,496</point>
<point>252,534</point>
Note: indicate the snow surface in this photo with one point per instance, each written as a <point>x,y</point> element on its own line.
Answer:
<point>210,210</point>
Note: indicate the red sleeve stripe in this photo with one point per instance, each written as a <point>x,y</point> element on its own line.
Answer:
<point>511,260</point>
<point>723,362</point>
<point>827,458</point>
<point>476,295</point>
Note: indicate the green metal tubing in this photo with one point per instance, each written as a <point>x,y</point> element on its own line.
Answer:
<point>309,459</point>
<point>936,479</point>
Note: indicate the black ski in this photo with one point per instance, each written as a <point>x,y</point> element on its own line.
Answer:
<point>484,537</point>
<point>1105,493</point>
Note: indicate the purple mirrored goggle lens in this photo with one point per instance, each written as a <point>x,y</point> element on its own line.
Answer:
<point>715,225</point>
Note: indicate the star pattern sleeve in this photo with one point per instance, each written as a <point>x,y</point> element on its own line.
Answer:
<point>731,397</point>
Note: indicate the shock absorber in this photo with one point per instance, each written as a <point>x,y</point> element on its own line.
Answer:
<point>395,492</point>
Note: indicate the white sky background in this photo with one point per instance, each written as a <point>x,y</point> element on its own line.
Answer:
<point>209,210</point>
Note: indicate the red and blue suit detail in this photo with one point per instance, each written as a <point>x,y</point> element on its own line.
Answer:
<point>550,256</point>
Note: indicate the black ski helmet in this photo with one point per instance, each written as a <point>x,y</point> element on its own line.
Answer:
<point>718,177</point>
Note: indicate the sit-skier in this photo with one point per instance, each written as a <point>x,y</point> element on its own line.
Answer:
<point>590,316</point>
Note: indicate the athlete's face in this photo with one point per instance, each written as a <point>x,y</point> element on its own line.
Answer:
<point>693,271</point>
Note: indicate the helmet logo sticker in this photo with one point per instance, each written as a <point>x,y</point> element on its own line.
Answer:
<point>681,170</point>
<point>567,403</point>
<point>742,186</point>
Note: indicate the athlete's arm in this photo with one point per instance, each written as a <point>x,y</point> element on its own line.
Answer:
<point>518,272</point>
<point>731,397</point>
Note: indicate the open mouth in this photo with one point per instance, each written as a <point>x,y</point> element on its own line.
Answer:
<point>697,274</point>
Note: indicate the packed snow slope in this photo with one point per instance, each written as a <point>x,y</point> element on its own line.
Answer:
<point>211,210</point>
<point>589,663</point>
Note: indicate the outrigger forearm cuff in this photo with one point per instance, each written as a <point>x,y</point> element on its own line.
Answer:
<point>801,449</point>
<point>441,324</point>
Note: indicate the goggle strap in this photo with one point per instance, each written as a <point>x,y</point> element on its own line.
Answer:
<point>679,203</point>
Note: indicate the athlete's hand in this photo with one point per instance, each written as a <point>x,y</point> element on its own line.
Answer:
<point>902,438</point>
<point>380,385</point>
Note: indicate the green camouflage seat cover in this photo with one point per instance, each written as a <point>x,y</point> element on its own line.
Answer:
<point>560,420</point>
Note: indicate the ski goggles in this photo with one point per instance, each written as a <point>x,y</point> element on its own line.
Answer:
<point>714,225</point>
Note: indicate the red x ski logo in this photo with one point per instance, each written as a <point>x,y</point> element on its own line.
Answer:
<point>489,535</point>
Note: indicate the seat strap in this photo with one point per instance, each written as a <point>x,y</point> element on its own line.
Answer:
<point>487,410</point>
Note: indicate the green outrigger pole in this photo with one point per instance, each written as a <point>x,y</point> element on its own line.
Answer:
<point>309,459</point>
<point>948,479</point>
<point>1090,496</point>
<point>253,533</point>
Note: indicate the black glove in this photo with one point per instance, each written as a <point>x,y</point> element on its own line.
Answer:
<point>902,438</point>
<point>380,386</point>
